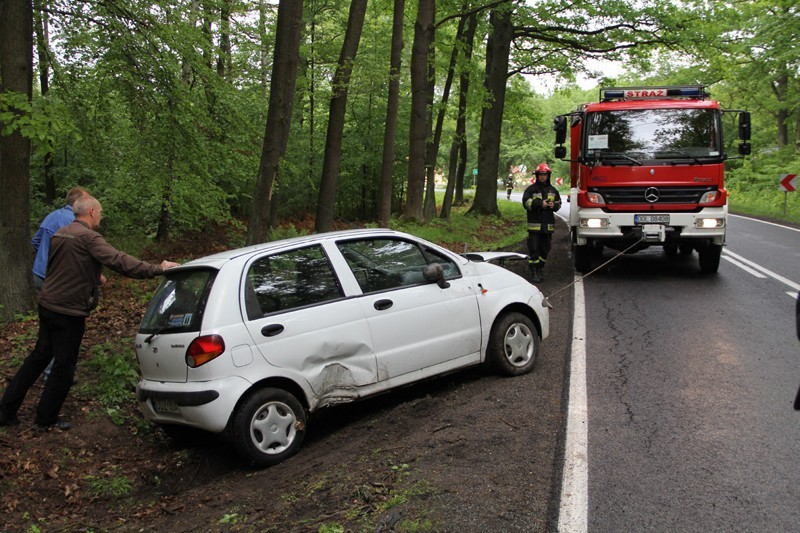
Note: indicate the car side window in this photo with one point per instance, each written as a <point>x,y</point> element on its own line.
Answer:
<point>383,264</point>
<point>289,280</point>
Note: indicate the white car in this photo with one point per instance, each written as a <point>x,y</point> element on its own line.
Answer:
<point>247,342</point>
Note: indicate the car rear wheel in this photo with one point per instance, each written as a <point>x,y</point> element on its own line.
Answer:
<point>513,345</point>
<point>269,426</point>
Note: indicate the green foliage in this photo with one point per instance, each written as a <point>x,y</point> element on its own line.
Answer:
<point>114,375</point>
<point>108,486</point>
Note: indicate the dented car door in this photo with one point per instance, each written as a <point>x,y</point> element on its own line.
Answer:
<point>300,320</point>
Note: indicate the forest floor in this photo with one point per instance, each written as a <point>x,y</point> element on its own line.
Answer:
<point>467,452</point>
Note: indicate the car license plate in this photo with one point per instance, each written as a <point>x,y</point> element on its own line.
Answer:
<point>166,406</point>
<point>650,219</point>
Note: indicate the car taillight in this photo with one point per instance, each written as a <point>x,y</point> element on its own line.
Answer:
<point>204,349</point>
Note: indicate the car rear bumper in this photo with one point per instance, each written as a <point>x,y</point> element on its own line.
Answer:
<point>206,405</point>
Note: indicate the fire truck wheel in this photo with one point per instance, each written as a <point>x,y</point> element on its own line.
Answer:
<point>709,258</point>
<point>583,258</point>
<point>686,249</point>
<point>671,249</point>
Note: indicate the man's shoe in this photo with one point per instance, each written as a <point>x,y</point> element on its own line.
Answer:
<point>60,424</point>
<point>8,420</point>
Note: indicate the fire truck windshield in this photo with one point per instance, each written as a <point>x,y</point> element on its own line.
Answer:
<point>659,136</point>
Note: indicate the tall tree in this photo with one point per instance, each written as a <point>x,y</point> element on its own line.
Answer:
<point>279,115</point>
<point>16,82</point>
<point>458,150</point>
<point>418,129</point>
<point>392,105</point>
<point>333,143</point>
<point>497,53</point>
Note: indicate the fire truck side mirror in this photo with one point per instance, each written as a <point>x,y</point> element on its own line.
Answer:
<point>561,152</point>
<point>744,148</point>
<point>744,126</point>
<point>560,127</point>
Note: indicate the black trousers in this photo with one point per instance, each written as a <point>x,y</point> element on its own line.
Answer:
<point>539,247</point>
<point>59,339</point>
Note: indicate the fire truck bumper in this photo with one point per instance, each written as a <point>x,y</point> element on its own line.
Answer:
<point>708,225</point>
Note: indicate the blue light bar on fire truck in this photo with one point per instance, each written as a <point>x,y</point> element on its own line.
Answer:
<point>608,94</point>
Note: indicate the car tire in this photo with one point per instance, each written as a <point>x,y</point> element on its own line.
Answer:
<point>269,426</point>
<point>513,345</point>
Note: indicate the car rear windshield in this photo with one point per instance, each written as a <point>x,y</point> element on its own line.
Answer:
<point>179,302</point>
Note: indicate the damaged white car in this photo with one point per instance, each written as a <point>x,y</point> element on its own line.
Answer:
<point>249,341</point>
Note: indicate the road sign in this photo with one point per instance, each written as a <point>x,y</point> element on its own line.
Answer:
<point>789,182</point>
<point>559,181</point>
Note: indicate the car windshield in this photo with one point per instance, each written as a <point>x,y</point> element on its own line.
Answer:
<point>628,137</point>
<point>178,303</point>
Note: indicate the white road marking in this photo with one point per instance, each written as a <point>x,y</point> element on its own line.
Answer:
<point>746,268</point>
<point>765,222</point>
<point>573,514</point>
<point>768,272</point>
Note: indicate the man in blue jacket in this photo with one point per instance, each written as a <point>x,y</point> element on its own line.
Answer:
<point>51,224</point>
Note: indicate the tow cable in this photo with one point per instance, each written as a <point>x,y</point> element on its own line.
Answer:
<point>546,300</point>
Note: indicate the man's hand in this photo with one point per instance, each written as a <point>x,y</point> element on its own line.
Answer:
<point>166,265</point>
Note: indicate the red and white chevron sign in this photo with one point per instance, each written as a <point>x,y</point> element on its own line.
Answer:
<point>789,182</point>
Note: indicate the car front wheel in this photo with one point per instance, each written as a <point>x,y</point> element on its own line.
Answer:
<point>513,345</point>
<point>269,426</point>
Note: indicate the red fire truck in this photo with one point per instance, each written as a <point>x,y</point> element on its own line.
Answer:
<point>646,169</point>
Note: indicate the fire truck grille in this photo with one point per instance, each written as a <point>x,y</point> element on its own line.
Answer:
<point>652,195</point>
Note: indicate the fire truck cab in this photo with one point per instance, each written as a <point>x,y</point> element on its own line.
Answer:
<point>647,168</point>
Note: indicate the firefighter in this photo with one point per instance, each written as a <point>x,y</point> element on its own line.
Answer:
<point>540,200</point>
<point>509,185</point>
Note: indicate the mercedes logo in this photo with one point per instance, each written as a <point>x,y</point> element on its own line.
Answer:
<point>651,194</point>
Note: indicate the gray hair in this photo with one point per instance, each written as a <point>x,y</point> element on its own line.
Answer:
<point>84,204</point>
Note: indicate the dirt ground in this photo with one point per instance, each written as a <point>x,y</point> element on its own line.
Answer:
<point>467,452</point>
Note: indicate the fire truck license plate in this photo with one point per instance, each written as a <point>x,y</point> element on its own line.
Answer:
<point>650,219</point>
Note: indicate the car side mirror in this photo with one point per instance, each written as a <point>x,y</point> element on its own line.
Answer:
<point>435,272</point>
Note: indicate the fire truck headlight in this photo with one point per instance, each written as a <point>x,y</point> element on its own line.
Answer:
<point>594,223</point>
<point>595,198</point>
<point>709,223</point>
<point>709,197</point>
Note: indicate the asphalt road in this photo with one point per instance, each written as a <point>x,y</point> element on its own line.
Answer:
<point>690,380</point>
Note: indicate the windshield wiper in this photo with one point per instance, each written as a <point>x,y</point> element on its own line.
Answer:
<point>694,158</point>
<point>604,155</point>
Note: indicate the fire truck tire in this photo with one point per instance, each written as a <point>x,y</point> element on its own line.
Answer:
<point>709,258</point>
<point>671,249</point>
<point>686,249</point>
<point>583,258</point>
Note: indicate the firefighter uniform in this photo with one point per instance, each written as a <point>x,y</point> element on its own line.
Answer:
<point>541,200</point>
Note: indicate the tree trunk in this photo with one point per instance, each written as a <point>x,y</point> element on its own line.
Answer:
<point>224,58</point>
<point>780,88</point>
<point>423,37</point>
<point>279,115</point>
<point>43,53</point>
<point>392,105</point>
<point>497,52</point>
<point>333,143</point>
<point>16,75</point>
<point>461,121</point>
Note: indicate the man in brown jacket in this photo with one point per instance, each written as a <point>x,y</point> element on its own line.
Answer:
<point>77,255</point>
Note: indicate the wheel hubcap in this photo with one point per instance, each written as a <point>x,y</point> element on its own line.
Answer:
<point>518,344</point>
<point>272,429</point>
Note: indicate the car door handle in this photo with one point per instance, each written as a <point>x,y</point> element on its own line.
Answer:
<point>383,305</point>
<point>271,330</point>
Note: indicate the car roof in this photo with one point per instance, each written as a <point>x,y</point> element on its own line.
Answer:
<point>217,260</point>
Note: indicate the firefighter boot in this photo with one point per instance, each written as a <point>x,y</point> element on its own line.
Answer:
<point>536,273</point>
<point>540,274</point>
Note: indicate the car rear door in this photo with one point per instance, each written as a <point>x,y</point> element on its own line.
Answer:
<point>300,320</point>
